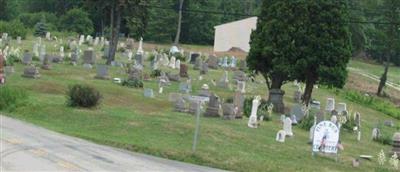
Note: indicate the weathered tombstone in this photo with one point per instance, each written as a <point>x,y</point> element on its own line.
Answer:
<point>241,86</point>
<point>185,87</point>
<point>55,58</point>
<point>297,110</point>
<point>212,62</point>
<point>357,119</point>
<point>239,76</point>
<point>193,106</point>
<point>252,123</point>
<point>224,81</point>
<point>330,104</point>
<point>46,62</point>
<point>148,92</point>
<point>75,56</point>
<point>89,57</point>
<point>376,134</point>
<point>193,57</point>
<point>225,62</point>
<point>180,105</point>
<point>130,44</point>
<point>228,111</point>
<point>173,77</point>
<point>320,116</point>
<point>287,126</point>
<point>42,52</point>
<point>238,102</point>
<point>297,95</point>
<point>341,107</point>
<point>27,58</point>
<point>139,59</point>
<point>135,73</point>
<point>389,123</point>
<point>213,107</point>
<point>18,40</point>
<point>198,64</point>
<point>102,72</point>
<point>178,64</point>
<point>315,105</point>
<point>326,138</point>
<point>183,71</point>
<point>280,136</point>
<point>205,91</point>
<point>396,143</point>
<point>2,76</point>
<point>31,72</point>
<point>204,69</point>
<point>172,62</point>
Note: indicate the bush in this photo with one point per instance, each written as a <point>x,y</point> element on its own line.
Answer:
<point>77,20</point>
<point>262,110</point>
<point>41,29</point>
<point>11,59</point>
<point>155,73</point>
<point>14,28</point>
<point>30,19</point>
<point>180,57</point>
<point>133,83</point>
<point>307,122</point>
<point>11,98</point>
<point>83,96</point>
<point>374,103</point>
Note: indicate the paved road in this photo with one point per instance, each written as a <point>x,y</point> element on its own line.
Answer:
<point>25,147</point>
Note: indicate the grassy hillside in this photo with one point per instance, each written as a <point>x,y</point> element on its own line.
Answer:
<point>128,120</point>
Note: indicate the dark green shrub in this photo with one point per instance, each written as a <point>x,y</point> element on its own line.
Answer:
<point>11,98</point>
<point>30,19</point>
<point>155,73</point>
<point>133,83</point>
<point>40,29</point>
<point>35,58</point>
<point>307,122</point>
<point>83,96</point>
<point>14,28</point>
<point>229,100</point>
<point>180,57</point>
<point>350,124</point>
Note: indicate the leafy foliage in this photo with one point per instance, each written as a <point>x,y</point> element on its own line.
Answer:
<point>307,122</point>
<point>83,96</point>
<point>14,28</point>
<point>133,83</point>
<point>11,98</point>
<point>77,20</point>
<point>41,28</point>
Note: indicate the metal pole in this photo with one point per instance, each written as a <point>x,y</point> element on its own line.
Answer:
<point>196,132</point>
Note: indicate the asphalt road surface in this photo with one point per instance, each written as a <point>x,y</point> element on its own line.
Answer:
<point>25,147</point>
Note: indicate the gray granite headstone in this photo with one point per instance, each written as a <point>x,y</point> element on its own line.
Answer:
<point>148,92</point>
<point>102,72</point>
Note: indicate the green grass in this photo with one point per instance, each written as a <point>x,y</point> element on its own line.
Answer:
<point>377,70</point>
<point>126,119</point>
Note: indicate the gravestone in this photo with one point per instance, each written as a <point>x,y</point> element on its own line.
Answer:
<point>376,134</point>
<point>185,87</point>
<point>139,59</point>
<point>31,72</point>
<point>228,111</point>
<point>193,106</point>
<point>297,110</point>
<point>42,52</point>
<point>241,86</point>
<point>389,123</point>
<point>212,62</point>
<point>178,64</point>
<point>89,57</point>
<point>130,44</point>
<point>320,116</point>
<point>280,136</point>
<point>102,72</point>
<point>224,81</point>
<point>326,138</point>
<point>55,58</point>
<point>225,62</point>
<point>198,64</point>
<point>330,104</point>
<point>46,62</point>
<point>205,91</point>
<point>75,56</point>
<point>287,126</point>
<point>183,71</point>
<point>315,105</point>
<point>213,107</point>
<point>27,58</point>
<point>148,92</point>
<point>2,75</point>
<point>238,102</point>
<point>194,57</point>
<point>396,143</point>
<point>252,123</point>
<point>163,80</point>
<point>173,77</point>
<point>357,119</point>
<point>341,107</point>
<point>204,69</point>
<point>240,76</point>
<point>172,62</point>
<point>180,105</point>
<point>135,73</point>
<point>297,95</point>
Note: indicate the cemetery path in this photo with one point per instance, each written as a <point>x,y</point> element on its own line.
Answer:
<point>25,147</point>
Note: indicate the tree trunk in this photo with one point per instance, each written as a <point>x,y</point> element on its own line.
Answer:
<point>382,82</point>
<point>276,94</point>
<point>308,91</point>
<point>115,26</point>
<point>178,30</point>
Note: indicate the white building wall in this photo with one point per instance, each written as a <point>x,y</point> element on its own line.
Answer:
<point>234,34</point>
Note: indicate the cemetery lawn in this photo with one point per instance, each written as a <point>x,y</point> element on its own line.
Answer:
<point>128,120</point>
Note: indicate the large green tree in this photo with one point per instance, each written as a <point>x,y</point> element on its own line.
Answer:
<point>301,39</point>
<point>77,20</point>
